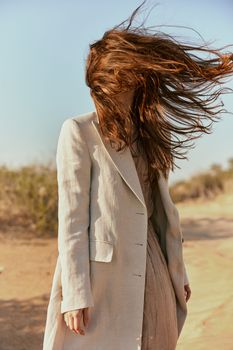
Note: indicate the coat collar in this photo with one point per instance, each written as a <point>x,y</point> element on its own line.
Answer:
<point>124,163</point>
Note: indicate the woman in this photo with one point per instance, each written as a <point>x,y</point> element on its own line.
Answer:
<point>120,280</point>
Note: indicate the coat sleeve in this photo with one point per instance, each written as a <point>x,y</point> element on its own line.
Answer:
<point>73,179</point>
<point>186,279</point>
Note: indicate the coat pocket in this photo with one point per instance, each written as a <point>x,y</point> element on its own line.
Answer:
<point>101,250</point>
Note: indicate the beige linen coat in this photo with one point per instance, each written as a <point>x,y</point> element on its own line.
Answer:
<point>102,242</point>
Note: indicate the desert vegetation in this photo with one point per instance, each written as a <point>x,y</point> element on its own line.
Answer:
<point>205,185</point>
<point>28,195</point>
<point>28,199</point>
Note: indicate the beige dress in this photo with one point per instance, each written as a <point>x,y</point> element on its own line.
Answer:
<point>159,316</point>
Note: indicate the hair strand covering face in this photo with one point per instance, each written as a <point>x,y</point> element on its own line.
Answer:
<point>176,91</point>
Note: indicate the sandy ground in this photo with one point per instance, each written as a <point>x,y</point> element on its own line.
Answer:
<point>28,266</point>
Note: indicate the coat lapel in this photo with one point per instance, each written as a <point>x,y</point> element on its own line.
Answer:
<point>124,163</point>
<point>165,222</point>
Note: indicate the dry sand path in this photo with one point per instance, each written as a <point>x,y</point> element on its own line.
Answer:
<point>208,252</point>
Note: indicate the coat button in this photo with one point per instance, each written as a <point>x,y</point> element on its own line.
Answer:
<point>135,274</point>
<point>139,243</point>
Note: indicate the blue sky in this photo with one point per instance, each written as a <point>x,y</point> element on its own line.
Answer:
<point>43,49</point>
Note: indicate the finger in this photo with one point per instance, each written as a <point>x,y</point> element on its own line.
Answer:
<point>70,322</point>
<point>65,319</point>
<point>77,325</point>
<point>188,294</point>
<point>81,324</point>
<point>86,317</point>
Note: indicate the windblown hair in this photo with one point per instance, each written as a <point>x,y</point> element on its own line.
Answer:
<point>174,98</point>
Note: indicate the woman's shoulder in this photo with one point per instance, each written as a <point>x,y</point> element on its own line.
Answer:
<point>80,118</point>
<point>84,117</point>
<point>77,129</point>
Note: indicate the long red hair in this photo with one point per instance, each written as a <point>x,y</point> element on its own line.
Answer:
<point>174,102</point>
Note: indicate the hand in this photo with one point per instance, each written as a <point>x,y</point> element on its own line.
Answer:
<point>74,318</point>
<point>187,292</point>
